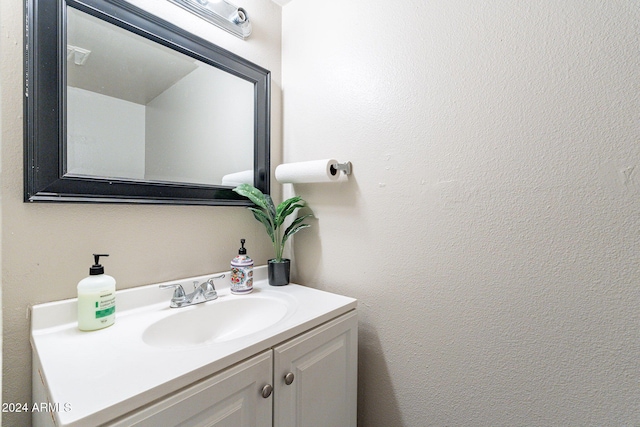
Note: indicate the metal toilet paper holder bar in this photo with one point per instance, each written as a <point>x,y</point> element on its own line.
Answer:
<point>344,167</point>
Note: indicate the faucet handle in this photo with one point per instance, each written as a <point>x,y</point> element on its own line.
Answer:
<point>209,290</point>
<point>208,285</point>
<point>179,290</point>
<point>210,281</point>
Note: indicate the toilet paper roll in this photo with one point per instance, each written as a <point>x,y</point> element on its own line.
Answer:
<point>237,178</point>
<point>304,172</point>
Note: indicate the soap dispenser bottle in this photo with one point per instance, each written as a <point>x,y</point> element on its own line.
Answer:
<point>96,298</point>
<point>241,272</point>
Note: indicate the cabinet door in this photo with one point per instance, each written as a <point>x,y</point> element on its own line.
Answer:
<point>229,399</point>
<point>323,388</point>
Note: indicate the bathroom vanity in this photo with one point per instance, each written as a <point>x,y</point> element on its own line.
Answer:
<point>280,356</point>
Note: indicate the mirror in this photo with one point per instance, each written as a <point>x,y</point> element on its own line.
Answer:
<point>124,107</point>
<point>139,110</point>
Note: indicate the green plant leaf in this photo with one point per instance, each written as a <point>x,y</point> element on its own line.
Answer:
<point>292,231</point>
<point>271,209</point>
<point>253,194</point>
<point>264,219</point>
<point>273,217</point>
<point>287,207</point>
<point>285,204</point>
<point>295,227</point>
<point>295,223</point>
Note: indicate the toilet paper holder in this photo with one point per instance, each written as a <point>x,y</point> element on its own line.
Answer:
<point>312,171</point>
<point>344,167</point>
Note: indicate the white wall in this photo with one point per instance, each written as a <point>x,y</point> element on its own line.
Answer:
<point>148,142</point>
<point>219,134</point>
<point>490,227</point>
<point>105,135</point>
<point>46,248</point>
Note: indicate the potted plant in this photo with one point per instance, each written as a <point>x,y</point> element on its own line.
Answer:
<point>273,219</point>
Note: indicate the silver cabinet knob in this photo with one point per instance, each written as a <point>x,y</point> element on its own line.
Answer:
<point>267,390</point>
<point>288,379</point>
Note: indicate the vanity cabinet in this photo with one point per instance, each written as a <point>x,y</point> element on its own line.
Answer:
<point>307,381</point>
<point>282,356</point>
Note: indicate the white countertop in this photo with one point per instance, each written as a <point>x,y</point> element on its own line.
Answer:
<point>100,375</point>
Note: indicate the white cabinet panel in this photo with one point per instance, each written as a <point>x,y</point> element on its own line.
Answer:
<point>229,399</point>
<point>324,367</point>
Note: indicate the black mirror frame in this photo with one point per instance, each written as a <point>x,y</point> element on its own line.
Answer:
<point>45,113</point>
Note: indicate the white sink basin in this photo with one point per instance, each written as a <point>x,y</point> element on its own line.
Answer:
<point>216,321</point>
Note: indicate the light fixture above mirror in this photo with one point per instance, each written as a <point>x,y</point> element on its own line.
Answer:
<point>220,13</point>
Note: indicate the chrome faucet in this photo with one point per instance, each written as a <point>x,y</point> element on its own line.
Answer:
<point>206,291</point>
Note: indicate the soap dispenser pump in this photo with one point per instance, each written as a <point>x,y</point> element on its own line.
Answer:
<point>96,298</point>
<point>241,272</point>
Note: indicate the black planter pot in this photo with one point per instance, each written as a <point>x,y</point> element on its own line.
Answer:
<point>279,272</point>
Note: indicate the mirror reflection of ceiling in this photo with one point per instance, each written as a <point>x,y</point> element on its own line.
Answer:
<point>147,69</point>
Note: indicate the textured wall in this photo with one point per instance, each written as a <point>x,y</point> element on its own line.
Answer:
<point>490,228</point>
<point>46,248</point>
